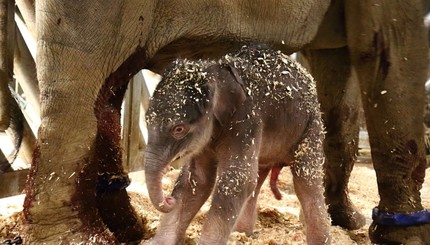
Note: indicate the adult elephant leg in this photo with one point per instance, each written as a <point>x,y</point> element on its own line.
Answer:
<point>339,98</point>
<point>60,192</point>
<point>389,52</point>
<point>75,190</point>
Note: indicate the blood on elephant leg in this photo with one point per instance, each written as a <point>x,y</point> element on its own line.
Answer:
<point>112,199</point>
<point>59,206</point>
<point>75,189</point>
<point>389,51</point>
<point>338,94</point>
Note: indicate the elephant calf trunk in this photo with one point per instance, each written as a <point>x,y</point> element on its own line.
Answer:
<point>155,190</point>
<point>166,205</point>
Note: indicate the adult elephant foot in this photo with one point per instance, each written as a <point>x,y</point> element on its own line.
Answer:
<point>346,215</point>
<point>410,235</point>
<point>58,235</point>
<point>124,222</point>
<point>85,209</point>
<point>340,208</point>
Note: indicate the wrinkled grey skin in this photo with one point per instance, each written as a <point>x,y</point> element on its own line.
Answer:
<point>233,121</point>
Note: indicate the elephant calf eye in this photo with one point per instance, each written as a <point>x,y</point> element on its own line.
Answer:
<point>179,131</point>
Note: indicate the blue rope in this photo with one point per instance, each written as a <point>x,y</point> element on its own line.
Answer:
<point>407,219</point>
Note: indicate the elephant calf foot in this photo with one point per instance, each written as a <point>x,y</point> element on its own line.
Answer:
<point>247,228</point>
<point>346,216</point>
<point>408,235</point>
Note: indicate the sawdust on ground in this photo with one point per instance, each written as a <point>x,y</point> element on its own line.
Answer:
<point>278,221</point>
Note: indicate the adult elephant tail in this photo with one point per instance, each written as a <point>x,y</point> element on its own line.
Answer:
<point>15,132</point>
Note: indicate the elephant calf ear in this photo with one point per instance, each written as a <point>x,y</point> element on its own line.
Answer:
<point>229,93</point>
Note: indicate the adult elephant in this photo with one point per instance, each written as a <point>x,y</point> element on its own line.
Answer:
<point>87,51</point>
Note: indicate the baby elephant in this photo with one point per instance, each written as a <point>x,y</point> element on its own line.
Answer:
<point>232,121</point>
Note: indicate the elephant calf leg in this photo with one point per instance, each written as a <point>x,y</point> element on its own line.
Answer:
<point>192,189</point>
<point>235,185</point>
<point>314,210</point>
<point>248,215</point>
<point>308,173</point>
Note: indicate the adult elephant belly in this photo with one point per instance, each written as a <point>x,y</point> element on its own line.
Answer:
<point>223,26</point>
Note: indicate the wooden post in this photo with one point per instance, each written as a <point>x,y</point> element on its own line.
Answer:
<point>28,9</point>
<point>25,72</point>
<point>131,129</point>
<point>143,108</point>
<point>147,77</point>
<point>12,183</point>
<point>151,79</point>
